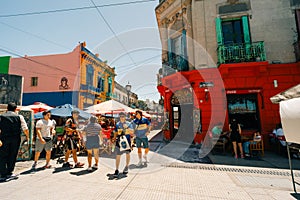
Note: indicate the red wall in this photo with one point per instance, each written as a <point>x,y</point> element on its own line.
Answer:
<point>241,76</point>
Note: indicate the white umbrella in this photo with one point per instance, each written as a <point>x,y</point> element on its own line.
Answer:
<point>109,107</point>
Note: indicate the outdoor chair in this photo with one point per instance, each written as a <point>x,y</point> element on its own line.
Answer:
<point>219,143</point>
<point>257,146</point>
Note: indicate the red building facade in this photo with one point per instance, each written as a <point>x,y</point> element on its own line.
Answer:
<point>240,91</point>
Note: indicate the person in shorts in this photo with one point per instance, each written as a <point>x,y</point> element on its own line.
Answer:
<point>92,132</point>
<point>44,131</point>
<point>142,128</point>
<point>122,128</point>
<point>72,139</point>
<point>235,137</point>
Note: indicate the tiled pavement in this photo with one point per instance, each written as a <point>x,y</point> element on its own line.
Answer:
<point>163,178</point>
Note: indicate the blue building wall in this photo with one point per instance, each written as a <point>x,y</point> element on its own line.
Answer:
<point>51,98</point>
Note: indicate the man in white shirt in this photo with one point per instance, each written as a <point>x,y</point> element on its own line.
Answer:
<point>44,133</point>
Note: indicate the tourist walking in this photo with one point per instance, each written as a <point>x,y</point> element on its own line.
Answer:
<point>44,132</point>
<point>142,128</point>
<point>121,137</point>
<point>93,134</point>
<point>72,139</point>
<point>11,126</point>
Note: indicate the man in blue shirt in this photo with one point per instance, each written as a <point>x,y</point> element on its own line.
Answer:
<point>142,127</point>
<point>123,129</point>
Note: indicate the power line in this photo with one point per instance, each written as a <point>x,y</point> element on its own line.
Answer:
<point>26,58</point>
<point>74,9</point>
<point>111,29</point>
<point>34,35</point>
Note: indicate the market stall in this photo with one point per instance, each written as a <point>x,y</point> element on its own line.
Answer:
<point>289,102</point>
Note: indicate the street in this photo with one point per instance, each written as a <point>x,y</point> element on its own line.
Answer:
<point>162,178</point>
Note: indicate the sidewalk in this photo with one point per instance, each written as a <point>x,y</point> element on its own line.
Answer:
<point>163,177</point>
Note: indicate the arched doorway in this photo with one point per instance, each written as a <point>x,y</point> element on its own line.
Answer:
<point>182,115</point>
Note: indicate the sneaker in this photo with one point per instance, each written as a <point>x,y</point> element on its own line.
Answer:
<point>116,174</point>
<point>90,169</point>
<point>33,166</point>
<point>236,157</point>
<point>242,156</point>
<point>247,154</point>
<point>12,177</point>
<point>145,157</point>
<point>95,167</point>
<point>79,165</point>
<point>125,171</point>
<point>67,164</point>
<point>48,166</point>
<point>140,163</point>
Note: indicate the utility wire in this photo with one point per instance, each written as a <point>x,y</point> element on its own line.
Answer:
<point>111,29</point>
<point>34,35</point>
<point>29,59</point>
<point>74,9</point>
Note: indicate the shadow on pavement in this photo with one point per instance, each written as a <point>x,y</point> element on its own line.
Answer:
<point>82,172</point>
<point>61,169</point>
<point>32,171</point>
<point>133,166</point>
<point>295,195</point>
<point>113,177</point>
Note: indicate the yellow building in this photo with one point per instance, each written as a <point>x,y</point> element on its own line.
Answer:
<point>97,79</point>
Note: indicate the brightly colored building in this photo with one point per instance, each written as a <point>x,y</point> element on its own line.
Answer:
<point>79,78</point>
<point>224,60</point>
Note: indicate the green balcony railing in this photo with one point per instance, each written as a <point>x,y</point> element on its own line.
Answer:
<point>237,53</point>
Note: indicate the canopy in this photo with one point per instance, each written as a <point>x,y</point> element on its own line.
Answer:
<point>290,118</point>
<point>37,107</point>
<point>109,107</point>
<point>64,111</point>
<point>293,92</point>
<point>289,102</point>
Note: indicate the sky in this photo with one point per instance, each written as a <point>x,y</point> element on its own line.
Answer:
<point>126,36</point>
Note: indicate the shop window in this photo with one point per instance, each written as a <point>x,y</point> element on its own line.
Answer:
<point>244,109</point>
<point>34,81</point>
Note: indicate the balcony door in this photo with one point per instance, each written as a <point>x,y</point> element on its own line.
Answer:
<point>233,32</point>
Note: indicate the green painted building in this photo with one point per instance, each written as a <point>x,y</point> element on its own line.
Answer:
<point>4,64</point>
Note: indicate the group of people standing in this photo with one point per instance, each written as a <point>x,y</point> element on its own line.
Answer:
<point>90,135</point>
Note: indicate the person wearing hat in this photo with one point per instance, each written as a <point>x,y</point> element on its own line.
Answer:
<point>93,134</point>
<point>11,126</point>
<point>45,131</point>
<point>73,136</point>
<point>123,129</point>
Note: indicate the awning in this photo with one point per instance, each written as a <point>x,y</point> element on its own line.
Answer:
<point>293,92</point>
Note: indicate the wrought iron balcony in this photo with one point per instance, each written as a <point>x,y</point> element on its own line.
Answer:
<point>237,53</point>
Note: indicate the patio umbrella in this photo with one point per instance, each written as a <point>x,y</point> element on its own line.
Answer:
<point>109,107</point>
<point>64,111</point>
<point>293,92</point>
<point>38,107</point>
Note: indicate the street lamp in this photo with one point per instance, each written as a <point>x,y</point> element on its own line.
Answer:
<point>128,88</point>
